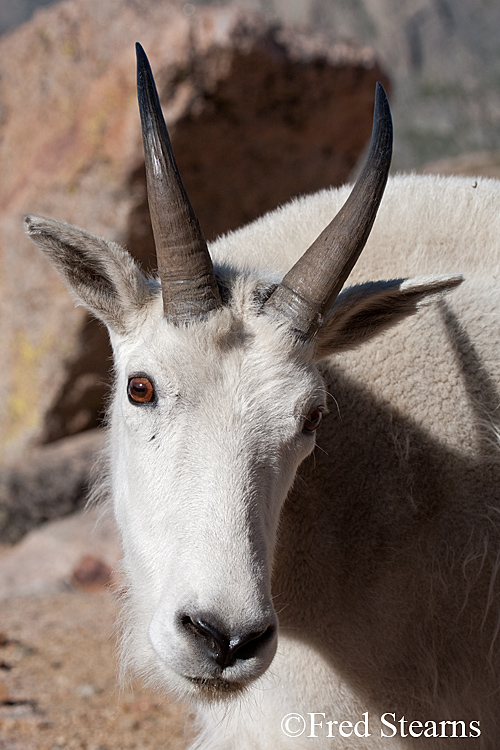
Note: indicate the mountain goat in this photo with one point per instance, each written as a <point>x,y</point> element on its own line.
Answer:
<point>345,596</point>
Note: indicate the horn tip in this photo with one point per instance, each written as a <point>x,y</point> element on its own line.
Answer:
<point>143,66</point>
<point>382,134</point>
<point>381,99</point>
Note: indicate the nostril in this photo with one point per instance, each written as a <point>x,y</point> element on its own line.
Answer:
<point>224,650</point>
<point>215,641</point>
<point>248,646</point>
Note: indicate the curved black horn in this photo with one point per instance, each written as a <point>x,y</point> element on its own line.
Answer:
<point>308,290</point>
<point>189,287</point>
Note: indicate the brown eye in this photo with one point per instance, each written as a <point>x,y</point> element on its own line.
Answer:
<point>312,420</point>
<point>140,390</point>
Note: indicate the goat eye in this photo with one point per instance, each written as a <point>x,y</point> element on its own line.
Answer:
<point>312,420</point>
<point>140,390</point>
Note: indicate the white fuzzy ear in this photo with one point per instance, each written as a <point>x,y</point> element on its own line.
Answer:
<point>101,275</point>
<point>363,311</point>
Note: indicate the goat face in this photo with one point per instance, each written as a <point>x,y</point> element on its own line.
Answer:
<point>202,464</point>
<point>215,407</point>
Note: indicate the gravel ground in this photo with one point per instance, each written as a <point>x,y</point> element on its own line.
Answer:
<point>58,681</point>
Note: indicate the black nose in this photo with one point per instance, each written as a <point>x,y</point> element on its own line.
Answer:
<point>223,649</point>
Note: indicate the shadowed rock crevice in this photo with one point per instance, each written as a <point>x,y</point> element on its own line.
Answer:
<point>80,403</point>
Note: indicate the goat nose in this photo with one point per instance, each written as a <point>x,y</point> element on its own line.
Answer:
<point>224,650</point>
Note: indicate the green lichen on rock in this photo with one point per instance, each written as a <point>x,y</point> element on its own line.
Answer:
<point>23,407</point>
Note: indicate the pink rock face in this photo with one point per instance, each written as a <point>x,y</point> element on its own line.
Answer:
<point>256,115</point>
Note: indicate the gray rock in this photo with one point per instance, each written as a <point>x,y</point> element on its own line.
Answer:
<point>46,483</point>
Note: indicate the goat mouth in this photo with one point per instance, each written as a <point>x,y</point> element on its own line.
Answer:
<point>216,686</point>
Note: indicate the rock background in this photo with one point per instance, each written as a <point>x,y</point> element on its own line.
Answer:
<point>442,55</point>
<point>15,12</point>
<point>46,483</point>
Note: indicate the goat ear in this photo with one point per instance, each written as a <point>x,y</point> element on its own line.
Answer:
<point>100,274</point>
<point>363,311</point>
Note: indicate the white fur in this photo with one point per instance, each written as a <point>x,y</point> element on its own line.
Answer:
<point>380,550</point>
